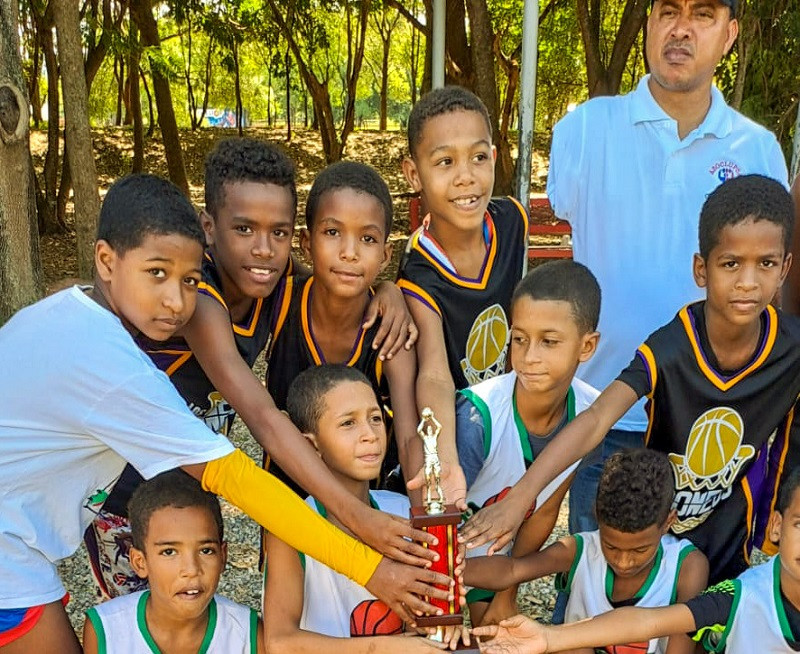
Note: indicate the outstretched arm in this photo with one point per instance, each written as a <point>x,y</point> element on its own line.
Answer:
<point>500,521</point>
<point>520,635</point>
<point>210,337</point>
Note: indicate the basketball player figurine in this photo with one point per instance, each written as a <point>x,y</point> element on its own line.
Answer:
<point>441,520</point>
<point>429,429</point>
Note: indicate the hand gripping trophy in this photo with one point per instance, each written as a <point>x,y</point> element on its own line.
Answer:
<point>442,520</point>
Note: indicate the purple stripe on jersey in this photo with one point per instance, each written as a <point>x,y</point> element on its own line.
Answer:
<point>647,369</point>
<point>422,299</point>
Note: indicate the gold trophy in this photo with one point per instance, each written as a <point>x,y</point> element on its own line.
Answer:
<point>442,520</point>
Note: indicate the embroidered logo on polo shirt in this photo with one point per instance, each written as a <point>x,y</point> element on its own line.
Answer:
<point>725,170</point>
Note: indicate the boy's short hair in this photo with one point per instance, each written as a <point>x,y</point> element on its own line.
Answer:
<point>788,488</point>
<point>443,101</point>
<point>137,206</point>
<point>749,196</point>
<point>564,281</point>
<point>174,488</point>
<point>304,403</point>
<point>350,175</point>
<point>635,491</point>
<point>246,160</point>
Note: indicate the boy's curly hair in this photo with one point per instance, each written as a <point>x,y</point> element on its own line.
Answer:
<point>636,490</point>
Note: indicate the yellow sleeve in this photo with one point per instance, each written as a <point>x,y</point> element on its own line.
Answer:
<point>279,510</point>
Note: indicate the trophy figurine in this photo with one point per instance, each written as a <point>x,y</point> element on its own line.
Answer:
<point>442,520</point>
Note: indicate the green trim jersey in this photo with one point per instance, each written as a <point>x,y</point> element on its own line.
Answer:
<point>474,312</point>
<point>506,443</point>
<point>723,431</point>
<point>735,615</point>
<point>590,583</point>
<point>329,598</point>
<point>121,627</point>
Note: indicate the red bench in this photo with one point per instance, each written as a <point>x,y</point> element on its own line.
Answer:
<point>548,237</point>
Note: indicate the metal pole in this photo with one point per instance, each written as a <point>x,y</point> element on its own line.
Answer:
<point>527,99</point>
<point>437,59</point>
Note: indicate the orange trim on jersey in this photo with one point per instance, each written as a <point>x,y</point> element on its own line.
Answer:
<point>251,328</point>
<point>183,357</point>
<point>410,288</point>
<point>650,362</point>
<point>488,262</point>
<point>305,321</point>
<point>378,369</point>
<point>768,547</point>
<point>283,311</point>
<point>748,495</point>
<point>203,286</point>
<point>711,375</point>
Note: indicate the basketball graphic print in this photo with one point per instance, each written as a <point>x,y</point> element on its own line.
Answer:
<point>713,458</point>
<point>486,345</point>
<point>374,618</point>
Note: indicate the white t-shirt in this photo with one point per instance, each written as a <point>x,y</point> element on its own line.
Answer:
<point>79,400</point>
<point>632,192</point>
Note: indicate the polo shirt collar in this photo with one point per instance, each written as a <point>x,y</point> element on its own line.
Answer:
<point>644,108</point>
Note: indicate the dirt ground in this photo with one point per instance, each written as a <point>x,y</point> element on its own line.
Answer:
<point>114,153</point>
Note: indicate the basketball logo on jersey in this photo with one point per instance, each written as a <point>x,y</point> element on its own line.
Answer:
<point>486,345</point>
<point>220,414</point>
<point>705,474</point>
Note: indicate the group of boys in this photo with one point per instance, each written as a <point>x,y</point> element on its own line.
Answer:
<point>496,358</point>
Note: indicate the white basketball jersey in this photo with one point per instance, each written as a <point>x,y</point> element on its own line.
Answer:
<point>590,580</point>
<point>329,597</point>
<point>759,616</point>
<point>121,627</point>
<point>506,443</point>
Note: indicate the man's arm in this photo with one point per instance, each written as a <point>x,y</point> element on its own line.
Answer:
<point>275,507</point>
<point>210,337</point>
<point>435,389</point>
<point>520,635</point>
<point>500,521</point>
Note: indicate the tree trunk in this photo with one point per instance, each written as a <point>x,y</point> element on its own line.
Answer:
<point>384,85</point>
<point>237,85</point>
<point>51,221</point>
<point>20,268</point>
<point>143,15</point>
<point>288,96</point>
<point>119,76</point>
<point>747,30</point>
<point>151,118</point>
<point>79,138</point>
<point>136,102</point>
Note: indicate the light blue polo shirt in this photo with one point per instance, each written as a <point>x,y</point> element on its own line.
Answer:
<point>632,191</point>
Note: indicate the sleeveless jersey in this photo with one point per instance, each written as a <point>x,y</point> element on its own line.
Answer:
<point>758,615</point>
<point>719,431</point>
<point>121,627</point>
<point>590,581</point>
<point>175,358</point>
<point>474,312</point>
<point>506,443</point>
<point>294,348</point>
<point>330,598</point>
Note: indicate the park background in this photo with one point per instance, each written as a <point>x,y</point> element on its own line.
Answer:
<point>91,90</point>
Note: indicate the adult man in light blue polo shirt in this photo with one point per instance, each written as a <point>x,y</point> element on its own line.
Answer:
<point>630,173</point>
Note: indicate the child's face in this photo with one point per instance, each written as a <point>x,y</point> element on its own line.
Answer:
<point>251,236</point>
<point>546,344</point>
<point>785,530</point>
<point>630,555</point>
<point>153,287</point>
<point>182,559</point>
<point>347,243</point>
<point>453,168</point>
<point>351,436</point>
<point>743,271</point>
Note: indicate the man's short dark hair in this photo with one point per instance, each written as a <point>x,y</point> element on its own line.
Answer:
<point>441,101</point>
<point>137,206</point>
<point>564,281</point>
<point>246,160</point>
<point>350,175</point>
<point>173,488</point>
<point>788,488</point>
<point>753,197</point>
<point>304,402</point>
<point>635,491</point>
